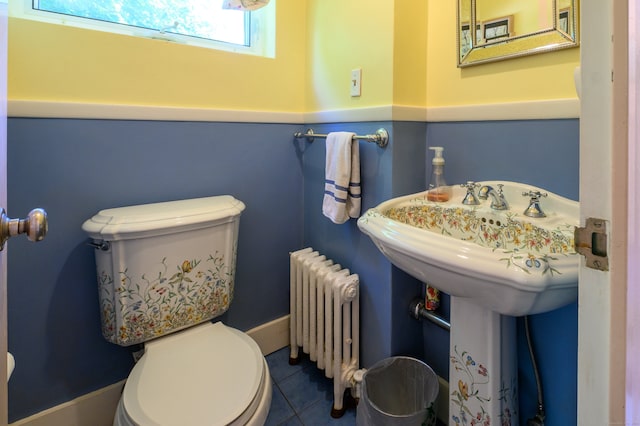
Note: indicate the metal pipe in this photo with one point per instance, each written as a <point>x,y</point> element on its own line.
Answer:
<point>418,312</point>
<point>381,137</point>
<point>538,419</point>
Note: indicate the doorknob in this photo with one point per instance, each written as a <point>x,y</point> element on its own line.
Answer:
<point>35,226</point>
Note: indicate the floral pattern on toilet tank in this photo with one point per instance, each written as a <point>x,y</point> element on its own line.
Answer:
<point>177,295</point>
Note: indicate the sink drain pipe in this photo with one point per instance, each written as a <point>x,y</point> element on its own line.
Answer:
<point>418,311</point>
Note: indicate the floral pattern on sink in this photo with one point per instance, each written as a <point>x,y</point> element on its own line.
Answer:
<point>471,399</point>
<point>526,246</point>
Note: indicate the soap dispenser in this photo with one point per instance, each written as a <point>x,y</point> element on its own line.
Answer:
<point>438,191</point>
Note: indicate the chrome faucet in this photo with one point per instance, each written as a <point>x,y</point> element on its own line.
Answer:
<point>498,202</point>
<point>534,209</point>
<point>470,198</point>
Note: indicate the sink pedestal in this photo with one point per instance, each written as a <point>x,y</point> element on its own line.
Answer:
<point>483,376</point>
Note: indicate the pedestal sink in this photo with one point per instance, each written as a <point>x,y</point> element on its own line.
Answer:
<point>495,265</point>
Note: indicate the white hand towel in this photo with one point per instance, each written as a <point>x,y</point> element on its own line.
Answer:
<point>342,194</point>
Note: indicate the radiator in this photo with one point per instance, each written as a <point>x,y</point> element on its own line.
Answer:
<point>325,320</point>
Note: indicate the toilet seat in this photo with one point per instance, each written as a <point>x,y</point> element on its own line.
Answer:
<point>210,374</point>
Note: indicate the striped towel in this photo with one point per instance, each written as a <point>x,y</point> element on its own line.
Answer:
<point>342,196</point>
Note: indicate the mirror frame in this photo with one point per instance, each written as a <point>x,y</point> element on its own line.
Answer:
<point>546,40</point>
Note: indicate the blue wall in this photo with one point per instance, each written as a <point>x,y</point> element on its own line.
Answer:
<point>544,153</point>
<point>73,168</point>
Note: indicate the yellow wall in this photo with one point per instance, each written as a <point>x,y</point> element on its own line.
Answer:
<point>409,53</point>
<point>318,43</point>
<point>538,77</point>
<point>58,63</point>
<point>344,35</point>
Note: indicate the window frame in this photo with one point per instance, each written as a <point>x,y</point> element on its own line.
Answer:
<point>261,28</point>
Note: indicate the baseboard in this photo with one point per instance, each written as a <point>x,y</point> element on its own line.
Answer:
<point>271,336</point>
<point>96,409</point>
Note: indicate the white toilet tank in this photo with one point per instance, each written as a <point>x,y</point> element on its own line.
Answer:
<point>163,267</point>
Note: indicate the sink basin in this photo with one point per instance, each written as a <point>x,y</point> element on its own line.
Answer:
<point>505,261</point>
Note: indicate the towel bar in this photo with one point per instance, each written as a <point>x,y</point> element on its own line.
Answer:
<point>381,137</point>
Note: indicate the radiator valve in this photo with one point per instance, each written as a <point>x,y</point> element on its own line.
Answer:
<point>356,383</point>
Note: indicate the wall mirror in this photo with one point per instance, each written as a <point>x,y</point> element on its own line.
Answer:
<point>494,30</point>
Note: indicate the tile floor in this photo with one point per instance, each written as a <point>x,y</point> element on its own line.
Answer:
<point>302,395</point>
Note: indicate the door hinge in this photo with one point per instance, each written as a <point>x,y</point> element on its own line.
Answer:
<point>591,242</point>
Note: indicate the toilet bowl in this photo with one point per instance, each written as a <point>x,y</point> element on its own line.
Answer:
<point>165,270</point>
<point>211,374</point>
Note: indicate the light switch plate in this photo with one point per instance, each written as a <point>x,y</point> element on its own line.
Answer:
<point>356,79</point>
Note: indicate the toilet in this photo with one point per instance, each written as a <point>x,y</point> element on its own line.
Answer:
<point>165,270</point>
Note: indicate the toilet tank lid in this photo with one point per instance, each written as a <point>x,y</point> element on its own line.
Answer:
<point>135,221</point>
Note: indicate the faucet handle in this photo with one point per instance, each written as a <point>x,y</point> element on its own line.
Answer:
<point>534,209</point>
<point>534,195</point>
<point>500,186</point>
<point>470,199</point>
<point>470,185</point>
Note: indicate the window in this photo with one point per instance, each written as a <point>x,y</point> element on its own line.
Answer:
<point>498,29</point>
<point>197,22</point>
